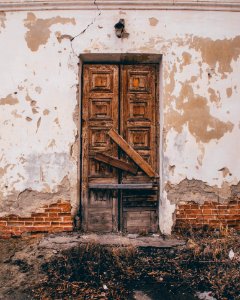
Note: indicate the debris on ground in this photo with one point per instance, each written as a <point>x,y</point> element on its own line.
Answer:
<point>64,267</point>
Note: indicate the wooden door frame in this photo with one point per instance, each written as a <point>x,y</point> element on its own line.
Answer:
<point>118,59</point>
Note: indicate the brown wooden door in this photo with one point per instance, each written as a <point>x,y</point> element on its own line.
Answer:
<point>122,98</point>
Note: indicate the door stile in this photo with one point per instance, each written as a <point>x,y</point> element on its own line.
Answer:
<point>99,115</point>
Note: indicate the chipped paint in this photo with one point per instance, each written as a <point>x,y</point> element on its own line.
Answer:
<point>45,112</point>
<point>9,100</point>
<point>229,92</point>
<point>153,21</point>
<point>39,29</point>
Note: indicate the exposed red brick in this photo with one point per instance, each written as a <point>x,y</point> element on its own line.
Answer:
<point>55,217</point>
<point>210,213</point>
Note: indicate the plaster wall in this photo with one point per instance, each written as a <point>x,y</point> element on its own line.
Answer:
<point>40,100</point>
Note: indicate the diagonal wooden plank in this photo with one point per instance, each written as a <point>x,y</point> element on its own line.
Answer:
<point>137,158</point>
<point>117,163</point>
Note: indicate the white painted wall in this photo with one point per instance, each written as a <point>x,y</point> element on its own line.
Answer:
<point>38,139</point>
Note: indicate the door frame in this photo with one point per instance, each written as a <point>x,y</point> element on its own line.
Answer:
<point>120,59</point>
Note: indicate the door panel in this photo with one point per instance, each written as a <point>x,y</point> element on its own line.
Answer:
<point>114,95</point>
<point>100,114</point>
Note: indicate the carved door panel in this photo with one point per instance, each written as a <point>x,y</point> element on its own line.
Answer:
<point>100,114</point>
<point>122,98</point>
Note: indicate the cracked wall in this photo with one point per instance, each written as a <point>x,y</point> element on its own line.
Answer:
<point>39,102</point>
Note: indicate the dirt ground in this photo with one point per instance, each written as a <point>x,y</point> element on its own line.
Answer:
<point>72,266</point>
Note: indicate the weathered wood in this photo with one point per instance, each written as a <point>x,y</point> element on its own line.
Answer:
<point>123,186</point>
<point>99,114</point>
<point>117,163</point>
<point>131,153</point>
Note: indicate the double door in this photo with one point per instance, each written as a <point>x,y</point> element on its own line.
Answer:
<point>119,148</point>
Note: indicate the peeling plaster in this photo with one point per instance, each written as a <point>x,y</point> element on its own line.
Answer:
<point>199,192</point>
<point>229,92</point>
<point>194,111</point>
<point>218,52</point>
<point>28,201</point>
<point>39,29</point>
<point>9,100</point>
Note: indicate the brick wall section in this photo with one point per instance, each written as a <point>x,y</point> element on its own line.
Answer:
<point>212,214</point>
<point>55,217</point>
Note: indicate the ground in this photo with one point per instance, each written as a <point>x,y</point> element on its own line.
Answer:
<point>76,266</point>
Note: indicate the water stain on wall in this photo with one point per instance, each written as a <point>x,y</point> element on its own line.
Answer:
<point>193,111</point>
<point>39,29</point>
<point>9,100</point>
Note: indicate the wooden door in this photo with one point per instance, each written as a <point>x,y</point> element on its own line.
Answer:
<point>122,98</point>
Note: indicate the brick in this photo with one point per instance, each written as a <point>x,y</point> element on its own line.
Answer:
<point>231,211</point>
<point>58,219</point>
<point>26,219</point>
<point>207,211</point>
<point>52,214</point>
<point>11,217</point>
<point>28,223</point>
<point>67,218</point>
<point>55,223</point>
<point>62,214</point>
<point>67,228</point>
<point>66,223</point>
<point>42,223</point>
<point>56,210</point>
<point>193,211</point>
<point>40,229</point>
<point>38,219</point>
<point>39,215</point>
<point>15,223</point>
<point>231,222</point>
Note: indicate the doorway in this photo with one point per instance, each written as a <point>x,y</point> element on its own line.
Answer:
<point>120,146</point>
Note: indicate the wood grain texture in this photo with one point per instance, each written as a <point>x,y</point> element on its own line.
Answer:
<point>99,114</point>
<point>122,186</point>
<point>131,153</point>
<point>117,163</point>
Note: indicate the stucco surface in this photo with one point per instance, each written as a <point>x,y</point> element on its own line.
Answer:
<point>40,100</point>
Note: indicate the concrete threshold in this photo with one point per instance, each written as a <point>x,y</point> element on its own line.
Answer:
<point>69,240</point>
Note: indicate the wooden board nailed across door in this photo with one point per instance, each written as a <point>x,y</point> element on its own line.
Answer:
<point>119,123</point>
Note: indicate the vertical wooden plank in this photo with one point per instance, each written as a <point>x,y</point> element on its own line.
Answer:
<point>139,121</point>
<point>99,114</point>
